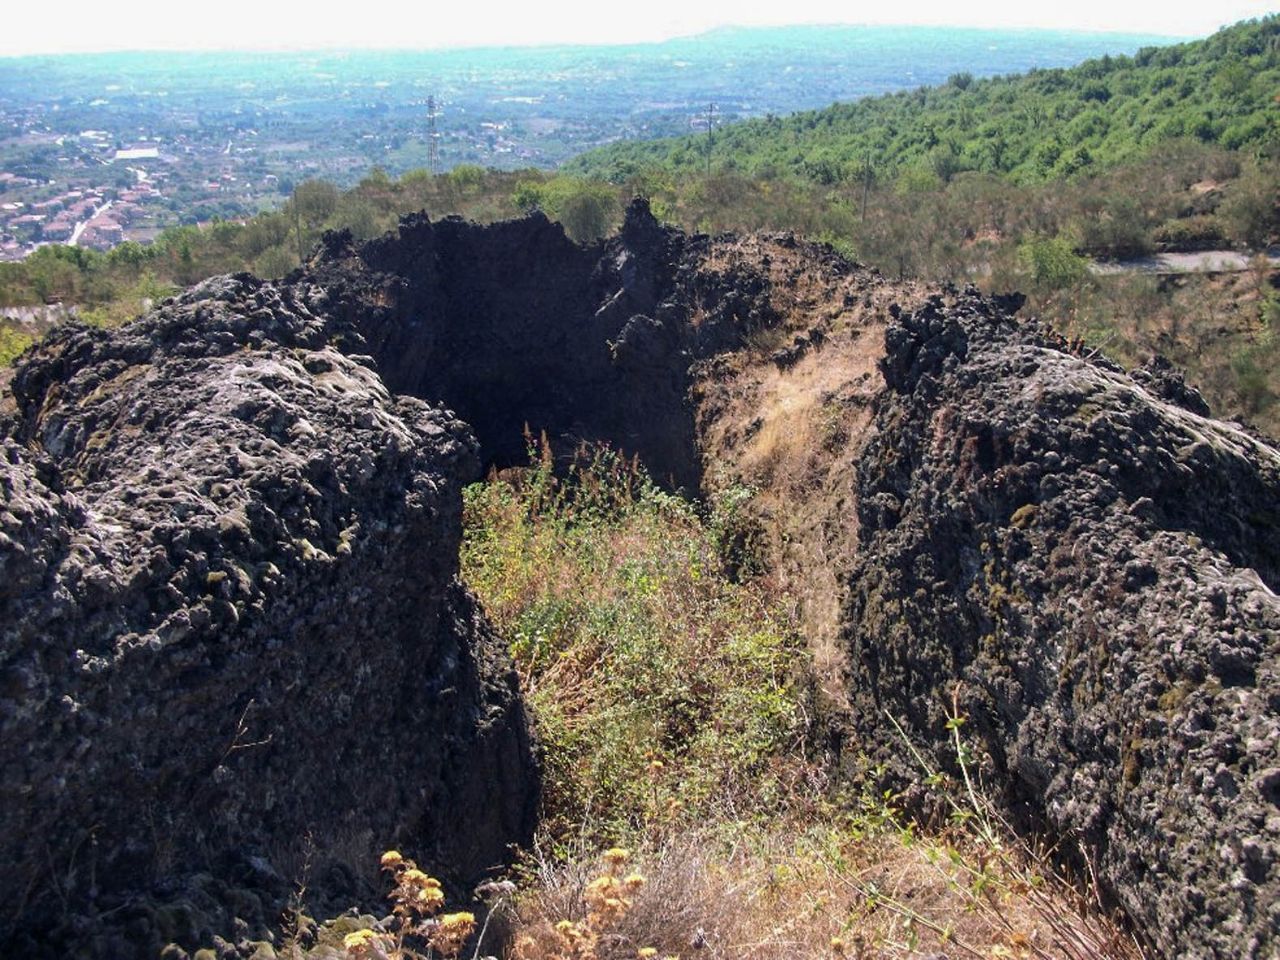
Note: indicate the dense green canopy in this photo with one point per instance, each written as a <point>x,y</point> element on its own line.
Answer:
<point>1041,125</point>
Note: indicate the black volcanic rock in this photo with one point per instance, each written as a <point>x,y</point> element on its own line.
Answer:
<point>517,329</point>
<point>229,615</point>
<point>231,631</point>
<point>1087,565</point>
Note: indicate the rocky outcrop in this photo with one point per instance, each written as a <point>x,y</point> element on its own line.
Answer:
<point>1086,563</point>
<point>234,656</point>
<point>229,615</point>
<point>1081,552</point>
<point>233,649</point>
<point>520,330</point>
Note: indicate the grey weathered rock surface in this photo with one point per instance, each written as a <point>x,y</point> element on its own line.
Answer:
<point>1092,564</point>
<point>230,629</point>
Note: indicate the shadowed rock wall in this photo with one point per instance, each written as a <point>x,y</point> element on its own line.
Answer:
<point>513,325</point>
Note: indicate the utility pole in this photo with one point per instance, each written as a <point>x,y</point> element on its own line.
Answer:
<point>711,126</point>
<point>297,226</point>
<point>866,184</point>
<point>433,137</point>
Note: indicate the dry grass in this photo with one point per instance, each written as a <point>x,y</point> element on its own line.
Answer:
<point>794,890</point>
<point>1218,328</point>
<point>793,436</point>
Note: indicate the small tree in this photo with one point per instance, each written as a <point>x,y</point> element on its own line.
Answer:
<point>1249,210</point>
<point>1052,262</point>
<point>585,208</point>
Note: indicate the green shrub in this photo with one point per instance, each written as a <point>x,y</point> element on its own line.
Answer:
<point>275,262</point>
<point>12,343</point>
<point>1188,234</point>
<point>586,208</point>
<point>1052,263</point>
<point>1250,209</point>
<point>1118,231</point>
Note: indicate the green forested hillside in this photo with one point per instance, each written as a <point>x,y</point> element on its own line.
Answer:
<point>1045,124</point>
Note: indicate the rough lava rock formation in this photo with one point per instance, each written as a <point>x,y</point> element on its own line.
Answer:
<point>229,612</point>
<point>231,630</point>
<point>1086,563</point>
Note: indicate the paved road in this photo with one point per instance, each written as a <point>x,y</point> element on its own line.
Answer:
<point>1206,261</point>
<point>75,235</point>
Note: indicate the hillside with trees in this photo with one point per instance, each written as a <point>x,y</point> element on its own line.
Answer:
<point>1041,125</point>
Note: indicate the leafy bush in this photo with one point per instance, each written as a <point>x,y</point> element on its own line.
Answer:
<point>585,208</point>
<point>1116,230</point>
<point>275,262</point>
<point>12,343</point>
<point>1052,263</point>
<point>1250,209</point>
<point>1189,234</point>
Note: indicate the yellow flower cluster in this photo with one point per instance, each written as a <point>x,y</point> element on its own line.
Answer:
<point>359,938</point>
<point>415,891</point>
<point>451,932</point>
<point>421,892</point>
<point>364,944</point>
<point>579,940</point>
<point>416,897</point>
<point>604,896</point>
<point>608,899</point>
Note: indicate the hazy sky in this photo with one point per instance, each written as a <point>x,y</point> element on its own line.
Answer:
<point>78,25</point>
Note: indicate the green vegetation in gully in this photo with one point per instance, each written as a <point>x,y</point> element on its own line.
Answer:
<point>611,590</point>
<point>675,706</point>
<point>1042,125</point>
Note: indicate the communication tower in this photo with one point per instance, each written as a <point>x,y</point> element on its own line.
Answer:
<point>433,137</point>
